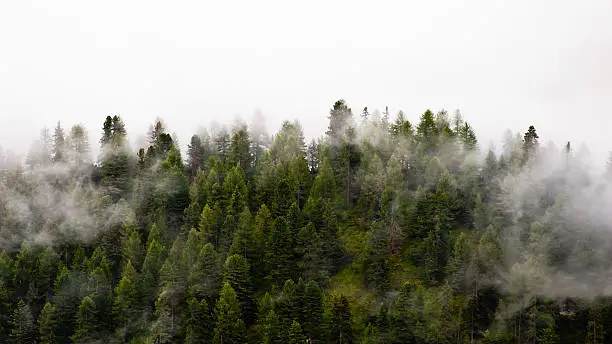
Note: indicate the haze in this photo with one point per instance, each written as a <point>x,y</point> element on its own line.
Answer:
<point>504,64</point>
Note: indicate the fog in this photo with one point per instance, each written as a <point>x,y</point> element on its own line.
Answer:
<point>505,64</point>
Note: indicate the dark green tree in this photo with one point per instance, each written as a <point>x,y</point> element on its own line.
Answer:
<point>198,322</point>
<point>279,252</point>
<point>341,321</point>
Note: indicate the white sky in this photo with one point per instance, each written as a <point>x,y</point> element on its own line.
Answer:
<point>505,64</point>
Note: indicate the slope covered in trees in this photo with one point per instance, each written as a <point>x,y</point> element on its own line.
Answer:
<point>380,231</point>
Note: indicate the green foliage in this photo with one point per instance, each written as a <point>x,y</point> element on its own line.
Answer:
<point>47,324</point>
<point>237,271</point>
<point>198,322</point>
<point>278,252</point>
<point>86,322</point>
<point>378,232</point>
<point>229,327</point>
<point>23,327</point>
<point>341,326</point>
<point>205,275</point>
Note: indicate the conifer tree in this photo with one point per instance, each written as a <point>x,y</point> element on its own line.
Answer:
<point>271,330</point>
<point>230,327</point>
<point>86,322</point>
<point>341,321</point>
<point>428,131</point>
<point>279,253</point>
<point>59,144</point>
<point>47,324</point>
<point>126,301</point>
<point>23,327</point>
<point>198,322</point>
<point>195,156</point>
<point>205,276</point>
<point>151,266</point>
<point>237,271</point>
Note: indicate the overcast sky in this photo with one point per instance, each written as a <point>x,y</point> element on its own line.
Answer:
<point>504,64</point>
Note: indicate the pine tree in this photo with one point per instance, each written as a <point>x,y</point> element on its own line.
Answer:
<point>165,328</point>
<point>428,131</point>
<point>530,143</point>
<point>195,156</point>
<point>230,327</point>
<point>47,324</point>
<point>86,322</point>
<point>468,137</point>
<point>205,276</point>
<point>208,226</point>
<point>340,119</point>
<point>59,144</point>
<point>312,312</point>
<point>295,335</point>
<point>237,271</point>
<point>401,127</point>
<point>271,329</point>
<point>341,321</point>
<point>242,241</point>
<point>153,262</point>
<point>78,143</point>
<point>308,250</point>
<point>115,169</point>
<point>132,249</point>
<point>68,293</point>
<point>239,150</point>
<point>23,327</point>
<point>378,271</point>
<point>126,301</point>
<point>279,253</point>
<point>198,322</point>
<point>5,309</point>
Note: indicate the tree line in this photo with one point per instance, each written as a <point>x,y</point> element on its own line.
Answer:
<point>380,231</point>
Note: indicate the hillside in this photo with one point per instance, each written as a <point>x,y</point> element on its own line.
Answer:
<point>382,230</point>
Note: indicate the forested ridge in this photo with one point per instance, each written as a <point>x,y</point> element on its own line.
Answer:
<point>384,229</point>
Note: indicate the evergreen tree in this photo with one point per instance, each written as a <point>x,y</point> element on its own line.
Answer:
<point>239,150</point>
<point>59,144</point>
<point>5,311</point>
<point>153,262</point>
<point>86,322</point>
<point>47,324</point>
<point>78,143</point>
<point>132,249</point>
<point>530,142</point>
<point>205,276</point>
<point>229,327</point>
<point>126,302</point>
<point>115,169</point>
<point>237,271</point>
<point>195,156</point>
<point>271,331</point>
<point>278,254</point>
<point>340,119</point>
<point>198,322</point>
<point>23,327</point>
<point>295,335</point>
<point>467,136</point>
<point>341,321</point>
<point>428,131</point>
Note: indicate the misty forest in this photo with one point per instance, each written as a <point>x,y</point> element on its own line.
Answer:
<point>383,229</point>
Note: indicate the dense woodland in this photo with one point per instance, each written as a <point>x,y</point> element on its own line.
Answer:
<point>382,230</point>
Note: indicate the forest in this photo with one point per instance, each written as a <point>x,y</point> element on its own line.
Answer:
<point>383,229</point>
